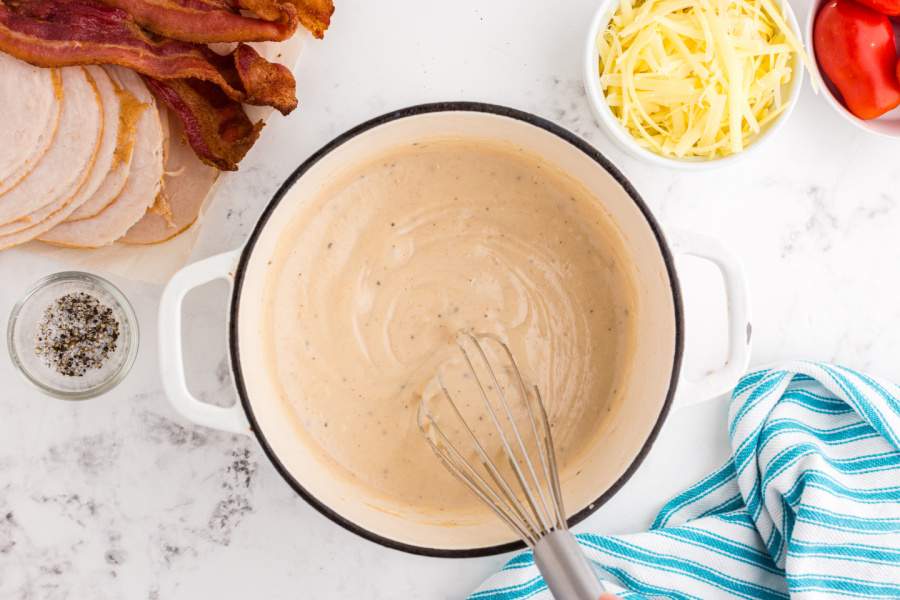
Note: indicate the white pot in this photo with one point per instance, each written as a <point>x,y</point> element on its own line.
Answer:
<point>630,428</point>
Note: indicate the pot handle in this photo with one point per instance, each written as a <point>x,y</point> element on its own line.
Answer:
<point>171,352</point>
<point>723,379</point>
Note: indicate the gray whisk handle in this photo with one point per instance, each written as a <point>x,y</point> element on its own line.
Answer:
<point>565,568</point>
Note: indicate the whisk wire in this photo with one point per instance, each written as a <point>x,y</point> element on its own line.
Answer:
<point>536,508</point>
<point>543,440</point>
<point>484,491</point>
<point>550,463</point>
<point>542,512</point>
<point>532,507</point>
<point>527,524</point>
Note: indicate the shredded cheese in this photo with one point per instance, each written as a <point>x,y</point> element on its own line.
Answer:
<point>696,78</point>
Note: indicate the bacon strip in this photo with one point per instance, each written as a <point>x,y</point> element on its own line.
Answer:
<point>57,33</point>
<point>210,22</point>
<point>216,127</point>
<point>315,15</point>
<point>258,76</point>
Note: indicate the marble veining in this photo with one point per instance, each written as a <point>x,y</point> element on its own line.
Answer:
<point>120,497</point>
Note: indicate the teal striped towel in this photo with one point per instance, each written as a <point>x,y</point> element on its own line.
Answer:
<point>807,507</point>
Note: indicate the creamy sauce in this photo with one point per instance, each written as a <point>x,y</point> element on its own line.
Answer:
<point>376,276</point>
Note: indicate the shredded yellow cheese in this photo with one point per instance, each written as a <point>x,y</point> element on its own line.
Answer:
<point>696,78</point>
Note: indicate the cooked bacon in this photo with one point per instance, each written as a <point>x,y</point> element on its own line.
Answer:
<point>257,75</point>
<point>216,127</point>
<point>315,15</point>
<point>265,9</point>
<point>210,22</point>
<point>57,33</point>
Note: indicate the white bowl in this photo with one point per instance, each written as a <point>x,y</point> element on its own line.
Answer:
<point>625,140</point>
<point>887,125</point>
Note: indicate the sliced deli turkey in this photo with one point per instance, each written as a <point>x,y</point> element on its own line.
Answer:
<point>63,170</point>
<point>62,207</point>
<point>127,109</point>
<point>31,110</point>
<point>140,190</point>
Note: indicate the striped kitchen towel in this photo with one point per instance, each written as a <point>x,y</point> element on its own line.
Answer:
<point>807,507</point>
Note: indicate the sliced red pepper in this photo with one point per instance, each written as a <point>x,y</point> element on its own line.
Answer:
<point>855,48</point>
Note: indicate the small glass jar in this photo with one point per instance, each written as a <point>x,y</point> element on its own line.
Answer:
<point>24,324</point>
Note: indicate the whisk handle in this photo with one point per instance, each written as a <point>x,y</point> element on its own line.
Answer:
<point>565,568</point>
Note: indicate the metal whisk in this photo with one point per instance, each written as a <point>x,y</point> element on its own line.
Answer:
<point>521,483</point>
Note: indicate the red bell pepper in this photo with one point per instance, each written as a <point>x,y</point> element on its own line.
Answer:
<point>885,7</point>
<point>855,48</point>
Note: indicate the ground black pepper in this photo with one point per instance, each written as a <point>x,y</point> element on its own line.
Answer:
<point>76,334</point>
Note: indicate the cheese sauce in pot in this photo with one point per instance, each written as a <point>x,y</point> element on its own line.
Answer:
<point>376,275</point>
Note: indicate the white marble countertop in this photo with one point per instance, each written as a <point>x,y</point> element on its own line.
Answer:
<point>120,498</point>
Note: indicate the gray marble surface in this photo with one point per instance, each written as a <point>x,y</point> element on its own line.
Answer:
<point>120,498</point>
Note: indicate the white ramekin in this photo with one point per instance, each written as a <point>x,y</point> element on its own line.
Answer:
<point>887,125</point>
<point>609,123</point>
